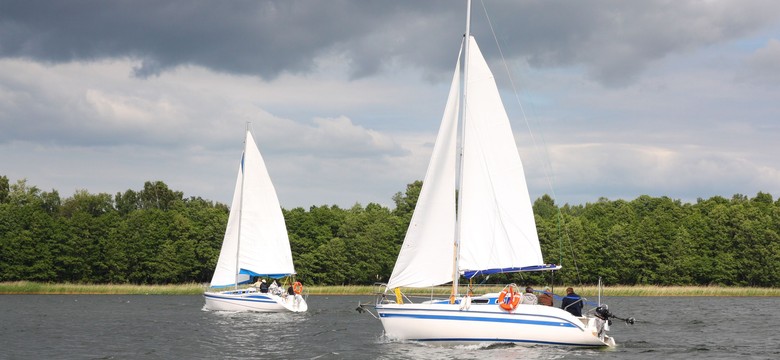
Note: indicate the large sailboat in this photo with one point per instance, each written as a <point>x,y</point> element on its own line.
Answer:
<point>255,245</point>
<point>487,228</point>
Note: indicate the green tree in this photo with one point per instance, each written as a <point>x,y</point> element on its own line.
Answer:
<point>406,202</point>
<point>157,195</point>
<point>5,189</point>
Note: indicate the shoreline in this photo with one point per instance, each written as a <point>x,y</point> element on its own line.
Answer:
<point>35,288</point>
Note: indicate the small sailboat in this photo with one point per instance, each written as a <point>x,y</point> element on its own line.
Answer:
<point>491,230</point>
<point>255,245</point>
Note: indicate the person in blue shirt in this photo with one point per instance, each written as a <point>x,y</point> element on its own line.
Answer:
<point>572,302</point>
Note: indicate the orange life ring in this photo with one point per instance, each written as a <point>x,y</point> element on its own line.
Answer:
<point>514,299</point>
<point>298,287</point>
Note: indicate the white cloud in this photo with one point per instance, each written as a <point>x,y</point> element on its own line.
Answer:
<point>619,170</point>
<point>185,128</point>
<point>763,67</point>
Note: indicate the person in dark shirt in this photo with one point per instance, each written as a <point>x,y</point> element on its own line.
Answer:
<point>572,302</point>
<point>263,287</point>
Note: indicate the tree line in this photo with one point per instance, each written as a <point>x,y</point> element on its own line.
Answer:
<point>156,235</point>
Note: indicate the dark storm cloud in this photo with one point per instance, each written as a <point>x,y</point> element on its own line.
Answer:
<point>263,38</point>
<point>614,40</point>
<point>617,40</point>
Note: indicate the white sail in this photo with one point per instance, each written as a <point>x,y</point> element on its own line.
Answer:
<point>256,239</point>
<point>497,227</point>
<point>426,254</point>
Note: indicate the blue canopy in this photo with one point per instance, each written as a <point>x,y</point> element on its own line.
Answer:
<point>546,267</point>
<point>272,276</point>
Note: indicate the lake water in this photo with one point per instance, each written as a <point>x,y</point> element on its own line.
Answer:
<point>176,327</point>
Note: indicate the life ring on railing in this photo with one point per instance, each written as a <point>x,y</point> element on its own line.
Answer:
<point>509,299</point>
<point>298,287</point>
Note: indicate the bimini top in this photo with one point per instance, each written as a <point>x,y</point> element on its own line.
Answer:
<point>546,267</point>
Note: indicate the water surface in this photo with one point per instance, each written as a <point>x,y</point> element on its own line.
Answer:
<point>176,327</point>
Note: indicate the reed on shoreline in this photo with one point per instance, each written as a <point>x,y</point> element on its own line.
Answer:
<point>28,287</point>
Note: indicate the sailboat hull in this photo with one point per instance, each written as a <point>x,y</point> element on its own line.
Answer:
<point>244,300</point>
<point>448,324</point>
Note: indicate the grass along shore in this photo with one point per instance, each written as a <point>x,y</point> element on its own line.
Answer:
<point>28,287</point>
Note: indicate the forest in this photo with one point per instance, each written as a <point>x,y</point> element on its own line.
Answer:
<point>156,235</point>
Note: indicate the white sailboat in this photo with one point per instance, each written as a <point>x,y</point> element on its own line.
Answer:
<point>255,244</point>
<point>492,231</point>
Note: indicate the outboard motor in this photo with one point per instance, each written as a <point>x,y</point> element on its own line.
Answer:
<point>602,312</point>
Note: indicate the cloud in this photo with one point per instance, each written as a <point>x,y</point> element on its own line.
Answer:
<point>262,38</point>
<point>76,125</point>
<point>614,41</point>
<point>629,170</point>
<point>656,97</point>
<point>763,66</point>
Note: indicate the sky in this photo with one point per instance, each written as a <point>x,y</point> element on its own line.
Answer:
<point>607,99</point>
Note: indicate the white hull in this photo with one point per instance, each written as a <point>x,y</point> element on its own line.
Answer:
<point>488,323</point>
<point>250,300</point>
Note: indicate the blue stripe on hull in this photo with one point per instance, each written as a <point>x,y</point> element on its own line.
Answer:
<point>245,299</point>
<point>483,319</point>
<point>488,340</point>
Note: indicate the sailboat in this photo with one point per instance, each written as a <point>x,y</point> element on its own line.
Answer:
<point>488,228</point>
<point>255,245</point>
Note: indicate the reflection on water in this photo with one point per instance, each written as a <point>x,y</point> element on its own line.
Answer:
<point>246,334</point>
<point>413,350</point>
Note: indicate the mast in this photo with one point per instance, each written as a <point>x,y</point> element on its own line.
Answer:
<point>456,245</point>
<point>241,205</point>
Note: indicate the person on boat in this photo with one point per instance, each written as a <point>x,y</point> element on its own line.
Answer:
<point>263,286</point>
<point>465,303</point>
<point>274,288</point>
<point>294,293</point>
<point>572,302</point>
<point>258,283</point>
<point>545,298</point>
<point>529,298</point>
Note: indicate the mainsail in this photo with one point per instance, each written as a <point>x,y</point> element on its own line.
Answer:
<point>496,230</point>
<point>497,227</point>
<point>256,242</point>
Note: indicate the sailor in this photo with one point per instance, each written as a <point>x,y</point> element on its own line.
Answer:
<point>572,302</point>
<point>274,288</point>
<point>263,286</point>
<point>529,298</point>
